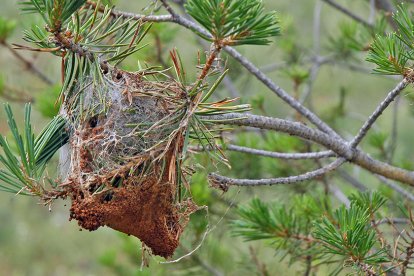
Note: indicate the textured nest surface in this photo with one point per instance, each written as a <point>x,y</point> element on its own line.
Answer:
<point>120,165</point>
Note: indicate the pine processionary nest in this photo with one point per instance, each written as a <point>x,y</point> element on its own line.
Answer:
<point>120,165</point>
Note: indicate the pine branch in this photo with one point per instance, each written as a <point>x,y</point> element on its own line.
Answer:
<point>128,15</point>
<point>370,164</point>
<point>351,237</point>
<point>180,20</point>
<point>28,64</point>
<point>23,171</point>
<point>347,232</point>
<point>224,183</point>
<point>401,191</point>
<point>338,146</point>
<point>349,13</point>
<point>352,180</point>
<point>272,154</point>
<point>69,44</point>
<point>378,111</point>
<point>293,128</point>
<point>280,92</point>
<point>392,221</point>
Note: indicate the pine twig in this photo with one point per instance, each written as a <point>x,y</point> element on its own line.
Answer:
<point>18,95</point>
<point>351,180</point>
<point>343,149</point>
<point>404,193</point>
<point>378,111</point>
<point>223,182</point>
<point>272,154</point>
<point>349,13</point>
<point>28,64</point>
<point>394,130</point>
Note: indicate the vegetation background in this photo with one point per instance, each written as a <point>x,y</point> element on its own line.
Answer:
<point>34,241</point>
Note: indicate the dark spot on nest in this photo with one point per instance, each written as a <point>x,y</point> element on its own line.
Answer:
<point>93,188</point>
<point>93,122</point>
<point>118,76</point>
<point>108,197</point>
<point>117,181</point>
<point>104,67</point>
<point>140,168</point>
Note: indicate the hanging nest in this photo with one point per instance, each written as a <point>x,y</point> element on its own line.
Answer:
<point>122,165</point>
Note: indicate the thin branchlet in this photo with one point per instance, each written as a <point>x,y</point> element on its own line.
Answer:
<point>349,13</point>
<point>272,154</point>
<point>378,111</point>
<point>341,148</point>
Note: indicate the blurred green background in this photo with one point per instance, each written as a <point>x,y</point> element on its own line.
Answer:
<point>36,241</point>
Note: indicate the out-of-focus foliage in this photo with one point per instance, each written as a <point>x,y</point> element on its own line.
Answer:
<point>46,102</point>
<point>1,84</point>
<point>6,28</point>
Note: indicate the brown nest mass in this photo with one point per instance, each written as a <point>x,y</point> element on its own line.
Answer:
<point>120,167</point>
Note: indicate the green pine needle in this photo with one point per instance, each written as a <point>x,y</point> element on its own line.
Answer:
<point>235,21</point>
<point>24,169</point>
<point>6,28</point>
<point>350,236</point>
<point>390,55</point>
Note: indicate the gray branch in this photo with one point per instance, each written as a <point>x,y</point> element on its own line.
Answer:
<point>378,111</point>
<point>348,13</point>
<point>29,64</point>
<point>337,192</point>
<point>393,221</point>
<point>340,147</point>
<point>293,128</point>
<point>223,182</point>
<point>272,154</point>
<point>351,180</point>
<point>281,93</point>
<point>404,193</point>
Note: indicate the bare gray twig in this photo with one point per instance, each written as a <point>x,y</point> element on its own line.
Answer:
<point>28,64</point>
<point>392,221</point>
<point>378,111</point>
<point>272,154</point>
<point>352,180</point>
<point>397,188</point>
<point>223,182</point>
<point>281,93</point>
<point>340,147</point>
<point>394,130</point>
<point>340,195</point>
<point>349,13</point>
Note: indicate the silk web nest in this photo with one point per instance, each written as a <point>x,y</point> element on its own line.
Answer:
<point>122,161</point>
